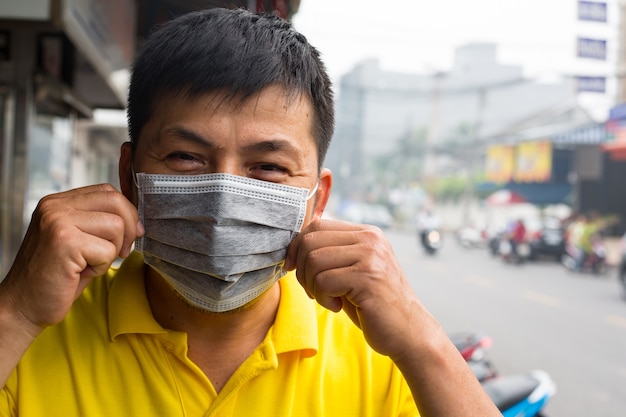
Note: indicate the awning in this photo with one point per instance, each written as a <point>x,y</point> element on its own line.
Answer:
<point>540,194</point>
<point>590,135</point>
<point>543,194</point>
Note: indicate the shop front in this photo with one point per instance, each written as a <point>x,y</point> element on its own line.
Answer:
<point>59,60</point>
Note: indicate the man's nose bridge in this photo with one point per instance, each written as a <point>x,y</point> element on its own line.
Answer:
<point>227,164</point>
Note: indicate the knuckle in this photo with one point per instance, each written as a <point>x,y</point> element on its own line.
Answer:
<point>307,241</point>
<point>116,223</point>
<point>372,233</point>
<point>313,256</point>
<point>107,188</point>
<point>115,196</point>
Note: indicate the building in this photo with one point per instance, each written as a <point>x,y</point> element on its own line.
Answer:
<point>477,99</point>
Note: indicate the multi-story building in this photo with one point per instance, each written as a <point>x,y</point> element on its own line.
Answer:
<point>477,99</point>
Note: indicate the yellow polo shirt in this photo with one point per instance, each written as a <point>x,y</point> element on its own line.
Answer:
<point>110,358</point>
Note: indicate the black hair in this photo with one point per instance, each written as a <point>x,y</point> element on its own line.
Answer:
<point>234,51</point>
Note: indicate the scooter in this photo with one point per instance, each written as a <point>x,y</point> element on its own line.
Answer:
<point>518,253</point>
<point>520,395</point>
<point>431,240</point>
<point>473,347</point>
<point>594,262</point>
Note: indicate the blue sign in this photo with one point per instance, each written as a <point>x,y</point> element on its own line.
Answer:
<point>591,48</point>
<point>618,112</point>
<point>586,84</point>
<point>592,11</point>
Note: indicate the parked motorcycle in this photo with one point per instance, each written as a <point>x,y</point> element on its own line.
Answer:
<point>519,395</point>
<point>473,347</point>
<point>431,240</point>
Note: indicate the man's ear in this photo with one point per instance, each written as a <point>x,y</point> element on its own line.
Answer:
<point>323,193</point>
<point>127,183</point>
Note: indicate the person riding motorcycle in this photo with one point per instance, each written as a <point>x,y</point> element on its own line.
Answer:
<point>426,222</point>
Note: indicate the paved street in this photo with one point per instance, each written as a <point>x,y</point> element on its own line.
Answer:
<point>540,316</point>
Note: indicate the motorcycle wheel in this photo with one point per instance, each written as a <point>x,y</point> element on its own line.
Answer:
<point>599,268</point>
<point>568,262</point>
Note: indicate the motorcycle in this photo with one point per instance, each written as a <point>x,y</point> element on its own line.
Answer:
<point>515,253</point>
<point>519,395</point>
<point>431,240</point>
<point>473,347</point>
<point>594,262</point>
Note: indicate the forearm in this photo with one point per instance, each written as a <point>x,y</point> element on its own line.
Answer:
<point>442,383</point>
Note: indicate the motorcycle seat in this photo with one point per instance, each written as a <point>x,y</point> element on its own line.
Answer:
<point>508,390</point>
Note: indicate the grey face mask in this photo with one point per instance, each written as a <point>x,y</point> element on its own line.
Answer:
<point>220,240</point>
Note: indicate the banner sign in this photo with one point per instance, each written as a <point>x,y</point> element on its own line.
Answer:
<point>592,11</point>
<point>533,162</point>
<point>586,84</point>
<point>591,48</point>
<point>499,163</point>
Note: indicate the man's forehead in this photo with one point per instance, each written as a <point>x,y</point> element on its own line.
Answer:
<point>277,97</point>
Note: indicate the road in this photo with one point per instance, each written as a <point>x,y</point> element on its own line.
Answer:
<point>540,316</point>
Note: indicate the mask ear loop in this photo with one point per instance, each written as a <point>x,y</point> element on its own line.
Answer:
<point>313,191</point>
<point>132,168</point>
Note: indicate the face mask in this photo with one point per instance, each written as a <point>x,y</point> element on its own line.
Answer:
<point>220,240</point>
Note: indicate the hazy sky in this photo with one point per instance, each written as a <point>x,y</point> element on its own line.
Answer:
<point>420,36</point>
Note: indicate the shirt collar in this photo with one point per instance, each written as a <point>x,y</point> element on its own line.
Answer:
<point>129,309</point>
<point>295,327</point>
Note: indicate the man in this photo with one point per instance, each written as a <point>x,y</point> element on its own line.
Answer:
<point>230,115</point>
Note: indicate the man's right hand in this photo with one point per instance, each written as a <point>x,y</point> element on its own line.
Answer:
<point>73,237</point>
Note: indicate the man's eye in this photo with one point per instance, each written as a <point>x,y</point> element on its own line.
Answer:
<point>183,156</point>
<point>270,167</point>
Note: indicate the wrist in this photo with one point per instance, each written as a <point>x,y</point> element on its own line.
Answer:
<point>16,329</point>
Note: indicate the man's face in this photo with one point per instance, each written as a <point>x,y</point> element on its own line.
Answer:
<point>267,139</point>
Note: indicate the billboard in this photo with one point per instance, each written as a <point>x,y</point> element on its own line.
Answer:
<point>499,163</point>
<point>533,162</point>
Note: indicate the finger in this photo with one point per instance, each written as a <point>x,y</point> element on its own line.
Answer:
<point>337,232</point>
<point>103,225</point>
<point>98,255</point>
<point>105,198</point>
<point>363,243</point>
<point>316,226</point>
<point>327,274</point>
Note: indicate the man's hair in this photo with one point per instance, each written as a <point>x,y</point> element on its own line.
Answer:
<point>235,52</point>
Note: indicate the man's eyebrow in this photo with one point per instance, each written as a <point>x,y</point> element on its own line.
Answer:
<point>269,145</point>
<point>186,134</point>
<point>272,145</point>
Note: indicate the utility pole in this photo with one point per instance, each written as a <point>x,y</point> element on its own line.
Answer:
<point>473,153</point>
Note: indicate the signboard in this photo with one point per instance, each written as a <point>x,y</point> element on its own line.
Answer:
<point>592,11</point>
<point>591,48</point>
<point>499,163</point>
<point>587,84</point>
<point>618,112</point>
<point>533,162</point>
